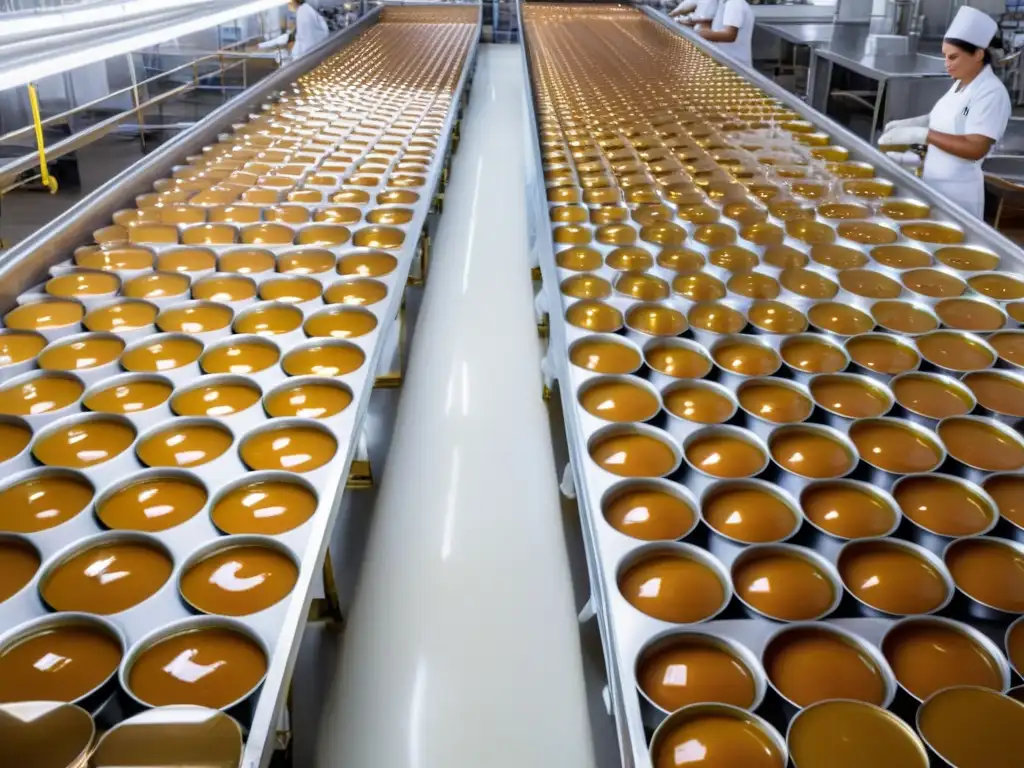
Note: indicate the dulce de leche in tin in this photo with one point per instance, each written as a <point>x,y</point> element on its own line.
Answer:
<point>716,736</point>
<point>107,577</point>
<point>269,507</point>
<point>60,662</point>
<point>928,654</point>
<point>853,734</point>
<point>748,512</point>
<point>673,586</point>
<point>847,510</point>
<point>692,669</point>
<point>808,664</point>
<point>210,666</point>
<point>649,512</point>
<point>239,580</point>
<point>783,584</point>
<point>972,727</point>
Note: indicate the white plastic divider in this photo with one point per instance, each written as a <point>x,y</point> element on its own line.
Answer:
<point>462,647</point>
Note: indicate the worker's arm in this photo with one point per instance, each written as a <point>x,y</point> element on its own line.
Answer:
<point>985,124</point>
<point>972,146</point>
<point>726,35</point>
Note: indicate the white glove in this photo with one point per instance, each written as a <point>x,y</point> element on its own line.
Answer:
<point>276,42</point>
<point>907,159</point>
<point>686,6</point>
<point>907,122</point>
<point>904,136</point>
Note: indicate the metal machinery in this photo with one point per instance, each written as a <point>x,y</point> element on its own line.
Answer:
<point>73,74</point>
<point>681,211</point>
<point>652,195</point>
<point>321,178</point>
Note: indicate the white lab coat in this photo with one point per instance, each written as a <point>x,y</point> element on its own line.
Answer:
<point>310,30</point>
<point>735,13</point>
<point>983,107</point>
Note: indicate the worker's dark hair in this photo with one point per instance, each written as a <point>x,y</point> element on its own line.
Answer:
<point>969,48</point>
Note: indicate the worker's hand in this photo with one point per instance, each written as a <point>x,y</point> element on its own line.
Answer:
<point>275,42</point>
<point>908,122</point>
<point>907,159</point>
<point>904,137</point>
<point>685,7</point>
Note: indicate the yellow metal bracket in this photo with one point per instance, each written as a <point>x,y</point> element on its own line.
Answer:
<point>393,379</point>
<point>328,607</point>
<point>360,475</point>
<point>44,173</point>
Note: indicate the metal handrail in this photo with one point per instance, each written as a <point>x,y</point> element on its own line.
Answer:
<point>10,173</point>
<point>62,116</point>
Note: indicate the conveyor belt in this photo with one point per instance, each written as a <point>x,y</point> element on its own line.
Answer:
<point>768,355</point>
<point>190,388</point>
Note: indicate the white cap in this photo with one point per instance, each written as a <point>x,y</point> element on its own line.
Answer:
<point>972,26</point>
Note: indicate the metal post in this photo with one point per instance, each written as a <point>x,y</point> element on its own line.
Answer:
<point>137,101</point>
<point>44,172</point>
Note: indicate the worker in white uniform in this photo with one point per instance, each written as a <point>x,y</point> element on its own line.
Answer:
<point>310,30</point>
<point>731,29</point>
<point>966,121</point>
<point>693,12</point>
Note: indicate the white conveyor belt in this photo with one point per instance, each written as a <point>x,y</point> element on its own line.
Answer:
<point>462,647</point>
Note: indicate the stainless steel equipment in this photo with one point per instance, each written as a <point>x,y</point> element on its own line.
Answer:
<point>47,252</point>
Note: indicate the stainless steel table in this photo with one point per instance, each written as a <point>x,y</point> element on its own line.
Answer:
<point>800,33</point>
<point>785,41</point>
<point>908,84</point>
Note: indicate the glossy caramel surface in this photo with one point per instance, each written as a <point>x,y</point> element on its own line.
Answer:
<point>692,670</point>
<point>107,578</point>
<point>267,508</point>
<point>619,400</point>
<point>152,505</point>
<point>930,396</point>
<point>633,455</point>
<point>59,664</point>
<point>894,447</point>
<point>943,506</point>
<point>990,571</point>
<point>238,581</point>
<point>980,444</point>
<point>720,741</point>
<point>725,455</point>
<point>893,579</point>
<point>673,587</point>
<point>748,514</point>
<point>927,656</point>
<point>19,562</point>
<point>42,502</point>
<point>649,513</point>
<point>808,665</point>
<point>210,667</point>
<point>853,398</point>
<point>810,453</point>
<point>974,727</point>
<point>783,586</point>
<point>851,734</point>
